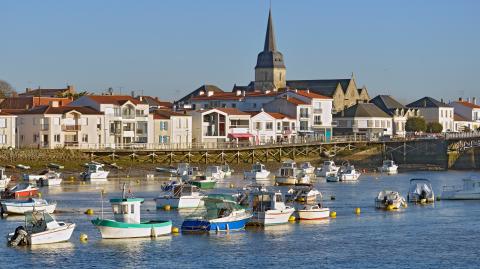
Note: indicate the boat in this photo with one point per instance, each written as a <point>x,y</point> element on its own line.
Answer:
<point>203,182</point>
<point>55,166</point>
<point>181,196</point>
<point>302,179</point>
<point>227,171</point>
<point>348,173</point>
<point>168,170</point>
<point>40,228</point>
<point>313,212</point>
<point>220,215</point>
<point>168,186</point>
<point>19,191</point>
<point>95,172</point>
<point>20,207</point>
<point>45,178</point>
<point>268,208</point>
<point>182,169</point>
<point>389,200</point>
<point>191,173</point>
<point>420,191</point>
<point>332,177</point>
<point>215,172</point>
<point>327,167</point>
<point>469,191</point>
<point>127,222</point>
<point>258,172</point>
<point>4,179</point>
<point>307,168</point>
<point>22,166</point>
<point>302,194</point>
<point>287,174</point>
<point>388,167</point>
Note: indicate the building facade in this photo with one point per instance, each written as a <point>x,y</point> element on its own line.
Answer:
<point>435,111</point>
<point>172,128</point>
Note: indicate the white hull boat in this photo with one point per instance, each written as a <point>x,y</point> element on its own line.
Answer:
<point>332,177</point>
<point>328,167</point>
<point>4,180</point>
<point>269,208</point>
<point>389,200</point>
<point>284,181</point>
<point>307,168</point>
<point>95,173</point>
<point>56,181</point>
<point>254,175</point>
<point>313,212</point>
<point>388,167</point>
<point>420,191</point>
<point>21,207</point>
<point>41,228</point>
<point>272,217</point>
<point>181,196</point>
<point>111,229</point>
<point>469,191</point>
<point>349,174</point>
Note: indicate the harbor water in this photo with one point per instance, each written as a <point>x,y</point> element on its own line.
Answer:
<point>443,235</point>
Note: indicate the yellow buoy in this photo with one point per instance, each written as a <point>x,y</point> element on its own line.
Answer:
<point>423,201</point>
<point>166,207</point>
<point>357,210</point>
<point>292,218</point>
<point>39,195</point>
<point>71,178</point>
<point>390,207</point>
<point>89,211</point>
<point>83,237</point>
<point>175,230</point>
<point>333,214</point>
<point>232,185</point>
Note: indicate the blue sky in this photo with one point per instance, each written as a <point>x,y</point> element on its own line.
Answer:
<point>167,48</point>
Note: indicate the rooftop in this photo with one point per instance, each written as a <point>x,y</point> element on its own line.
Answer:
<point>363,110</point>
<point>427,102</point>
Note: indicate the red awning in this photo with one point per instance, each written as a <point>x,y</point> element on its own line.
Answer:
<point>240,136</point>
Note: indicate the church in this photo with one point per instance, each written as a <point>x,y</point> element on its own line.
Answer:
<point>271,76</point>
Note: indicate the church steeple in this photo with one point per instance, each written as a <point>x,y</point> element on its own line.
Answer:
<point>270,43</point>
<point>270,69</point>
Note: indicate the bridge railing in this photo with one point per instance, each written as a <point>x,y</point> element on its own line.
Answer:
<point>475,134</point>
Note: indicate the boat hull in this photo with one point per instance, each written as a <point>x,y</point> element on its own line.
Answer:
<point>19,209</point>
<point>212,226</point>
<point>313,214</point>
<point>182,202</point>
<point>460,195</point>
<point>97,176</point>
<point>285,181</point>
<point>111,229</point>
<point>57,235</point>
<point>272,217</point>
<point>256,175</point>
<point>204,184</point>
<point>50,182</point>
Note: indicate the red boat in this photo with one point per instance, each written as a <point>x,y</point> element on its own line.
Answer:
<point>19,191</point>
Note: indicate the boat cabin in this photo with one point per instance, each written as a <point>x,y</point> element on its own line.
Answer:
<point>264,201</point>
<point>289,164</point>
<point>213,170</point>
<point>328,163</point>
<point>470,184</point>
<point>126,209</point>
<point>184,190</point>
<point>94,167</point>
<point>388,163</point>
<point>258,167</point>
<point>39,221</point>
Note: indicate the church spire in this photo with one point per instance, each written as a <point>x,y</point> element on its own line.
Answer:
<point>270,36</point>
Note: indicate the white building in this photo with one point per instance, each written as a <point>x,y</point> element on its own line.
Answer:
<point>172,129</point>
<point>219,125</point>
<point>365,120</point>
<point>58,127</point>
<point>434,111</point>
<point>397,111</point>
<point>7,130</point>
<point>127,120</point>
<point>271,127</point>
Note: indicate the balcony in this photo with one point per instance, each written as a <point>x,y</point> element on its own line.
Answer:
<point>317,111</point>
<point>304,115</point>
<point>128,116</point>
<point>44,126</point>
<point>71,128</point>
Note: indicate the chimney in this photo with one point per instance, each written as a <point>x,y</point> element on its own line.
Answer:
<point>460,99</point>
<point>53,103</point>
<point>201,92</point>
<point>140,98</point>
<point>474,100</point>
<point>238,92</point>
<point>468,99</point>
<point>209,93</point>
<point>133,94</point>
<point>27,90</point>
<point>308,90</point>
<point>243,93</point>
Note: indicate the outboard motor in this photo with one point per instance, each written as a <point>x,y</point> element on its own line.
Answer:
<point>19,238</point>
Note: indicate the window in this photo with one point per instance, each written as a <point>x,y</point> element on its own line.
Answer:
<point>166,139</point>
<point>3,123</point>
<point>234,105</point>
<point>185,125</point>
<point>179,123</point>
<point>304,113</point>
<point>3,139</point>
<point>269,126</point>
<point>293,126</point>
<point>279,126</point>
<point>258,126</point>
<point>85,138</point>
<point>317,120</point>
<point>303,125</point>
<point>56,138</point>
<point>35,138</point>
<point>132,210</point>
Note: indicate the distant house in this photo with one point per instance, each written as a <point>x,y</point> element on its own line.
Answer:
<point>62,92</point>
<point>435,111</point>
<point>7,130</point>
<point>172,128</point>
<point>363,119</point>
<point>204,90</point>
<point>270,127</point>
<point>467,114</point>
<point>154,102</point>
<point>397,111</point>
<point>27,102</point>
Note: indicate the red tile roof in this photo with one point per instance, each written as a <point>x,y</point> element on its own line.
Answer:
<point>232,96</point>
<point>278,116</point>
<point>227,110</point>
<point>61,110</point>
<point>310,94</point>
<point>457,117</point>
<point>467,104</point>
<point>28,102</point>
<point>113,99</point>
<point>295,101</point>
<point>163,114</point>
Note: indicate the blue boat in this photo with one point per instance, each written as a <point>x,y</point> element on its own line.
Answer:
<point>220,215</point>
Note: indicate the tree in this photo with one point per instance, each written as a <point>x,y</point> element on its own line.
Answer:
<point>434,127</point>
<point>6,90</point>
<point>73,96</point>
<point>416,124</point>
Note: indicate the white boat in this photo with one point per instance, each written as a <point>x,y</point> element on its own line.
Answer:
<point>388,167</point>
<point>182,169</point>
<point>258,172</point>
<point>307,168</point>
<point>95,172</point>
<point>127,223</point>
<point>191,173</point>
<point>4,179</point>
<point>46,178</point>
<point>389,200</point>
<point>41,228</point>
<point>181,196</point>
<point>166,170</point>
<point>349,173</point>
<point>21,207</point>
<point>420,191</point>
<point>227,171</point>
<point>215,172</point>
<point>303,194</point>
<point>287,173</point>
<point>327,167</point>
<point>269,209</point>
<point>469,191</point>
<point>313,212</point>
<point>332,177</point>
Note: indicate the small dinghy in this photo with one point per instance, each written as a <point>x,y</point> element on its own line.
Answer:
<point>19,191</point>
<point>313,212</point>
<point>420,191</point>
<point>221,215</point>
<point>389,200</point>
<point>388,167</point>
<point>21,207</point>
<point>95,172</point>
<point>204,182</point>
<point>181,196</point>
<point>127,223</point>
<point>40,228</point>
<point>166,170</point>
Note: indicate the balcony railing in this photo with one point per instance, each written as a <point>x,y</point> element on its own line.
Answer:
<point>71,128</point>
<point>128,116</point>
<point>44,126</point>
<point>304,115</point>
<point>317,111</point>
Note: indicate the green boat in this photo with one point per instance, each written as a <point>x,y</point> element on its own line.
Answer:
<point>204,182</point>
